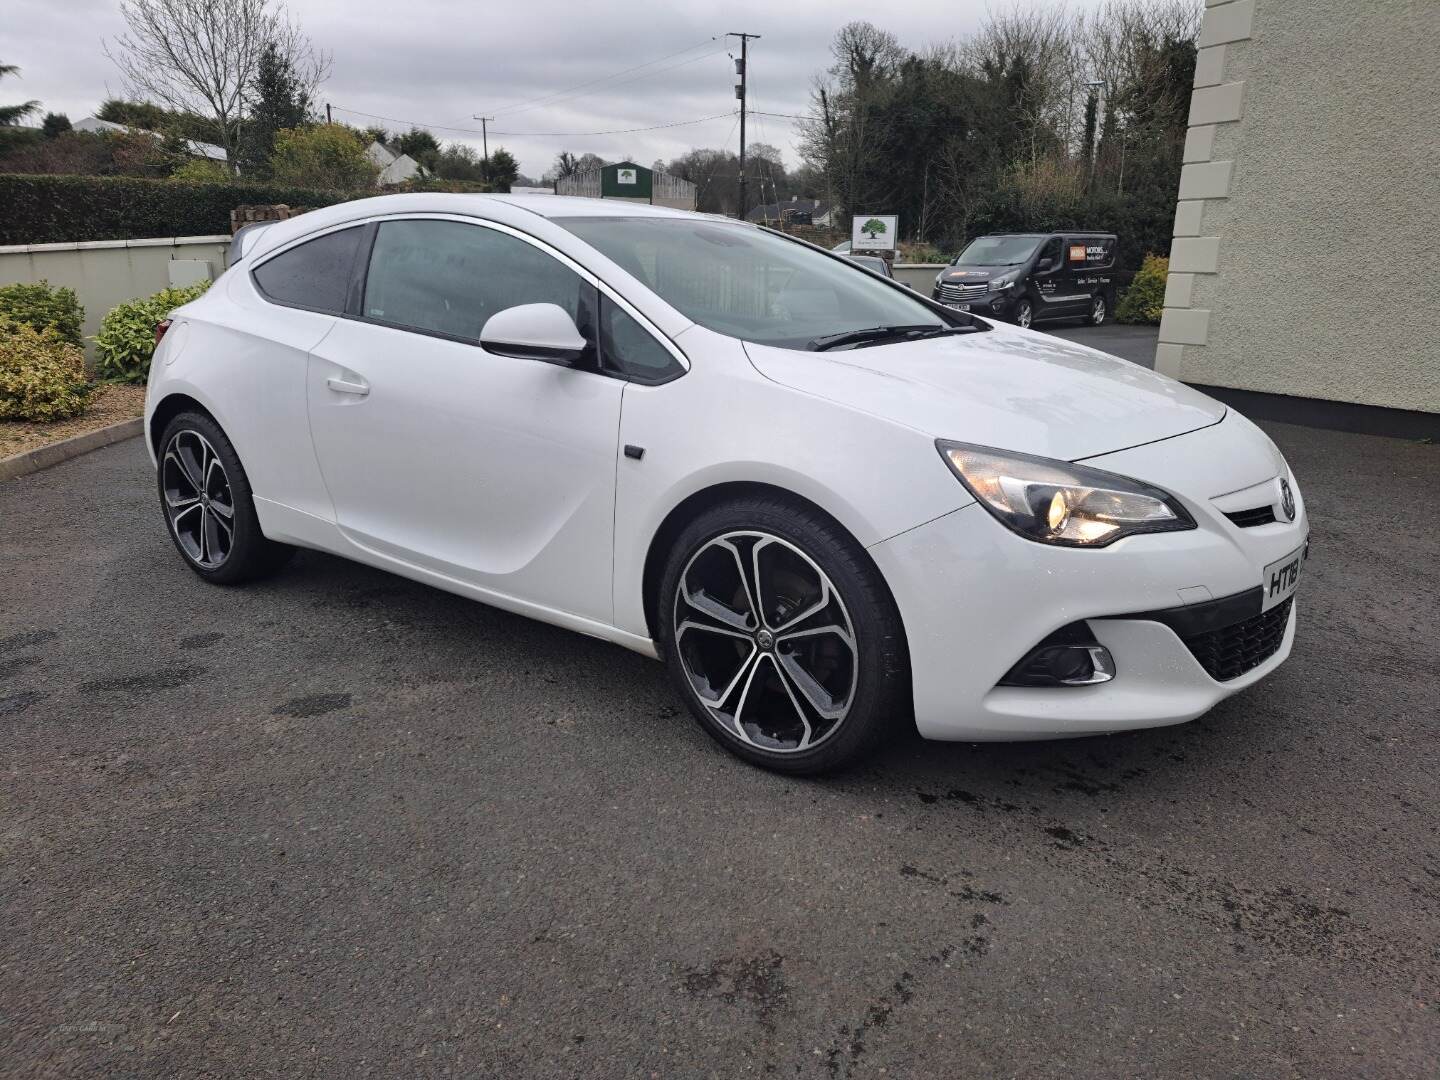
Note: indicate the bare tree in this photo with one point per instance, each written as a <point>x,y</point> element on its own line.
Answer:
<point>200,56</point>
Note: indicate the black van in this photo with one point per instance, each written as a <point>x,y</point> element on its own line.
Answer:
<point>1030,277</point>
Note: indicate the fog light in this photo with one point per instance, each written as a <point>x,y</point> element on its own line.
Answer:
<point>1068,657</point>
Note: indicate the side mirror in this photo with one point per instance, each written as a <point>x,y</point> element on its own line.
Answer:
<point>1044,266</point>
<point>534,332</point>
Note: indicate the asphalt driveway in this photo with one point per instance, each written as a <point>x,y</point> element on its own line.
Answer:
<point>343,825</point>
<point>1133,343</point>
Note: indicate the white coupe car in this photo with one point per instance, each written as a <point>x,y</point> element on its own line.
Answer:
<point>830,505</point>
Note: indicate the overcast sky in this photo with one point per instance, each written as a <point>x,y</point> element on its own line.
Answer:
<point>441,62</point>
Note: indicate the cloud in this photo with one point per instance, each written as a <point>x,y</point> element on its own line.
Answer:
<point>440,63</point>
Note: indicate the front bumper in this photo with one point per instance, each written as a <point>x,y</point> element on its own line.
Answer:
<point>975,598</point>
<point>997,305</point>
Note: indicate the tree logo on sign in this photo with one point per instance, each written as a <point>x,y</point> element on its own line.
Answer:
<point>873,228</point>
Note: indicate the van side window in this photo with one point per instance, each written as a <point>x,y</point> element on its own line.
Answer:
<point>630,350</point>
<point>314,275</point>
<point>1051,251</point>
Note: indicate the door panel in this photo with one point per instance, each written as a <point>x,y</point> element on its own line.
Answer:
<point>1052,286</point>
<point>490,469</point>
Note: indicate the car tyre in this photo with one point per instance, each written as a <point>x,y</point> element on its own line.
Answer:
<point>1024,314</point>
<point>812,674</point>
<point>1099,311</point>
<point>208,505</point>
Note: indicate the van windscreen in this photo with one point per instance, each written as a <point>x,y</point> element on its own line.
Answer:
<point>998,250</point>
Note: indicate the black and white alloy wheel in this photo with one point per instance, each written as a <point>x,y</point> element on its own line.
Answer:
<point>198,501</point>
<point>1097,311</point>
<point>765,641</point>
<point>1024,314</point>
<point>781,636</point>
<point>208,507</point>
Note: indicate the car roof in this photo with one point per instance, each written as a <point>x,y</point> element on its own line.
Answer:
<point>488,206</point>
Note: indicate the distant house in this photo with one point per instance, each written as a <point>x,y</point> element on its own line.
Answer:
<point>795,210</point>
<point>394,168</point>
<point>192,147</point>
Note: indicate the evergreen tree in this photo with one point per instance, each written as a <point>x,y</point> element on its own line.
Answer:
<point>279,101</point>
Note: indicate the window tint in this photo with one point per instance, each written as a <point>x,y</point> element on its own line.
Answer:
<point>1092,252</point>
<point>631,350</point>
<point>1051,251</point>
<point>449,278</point>
<point>314,275</point>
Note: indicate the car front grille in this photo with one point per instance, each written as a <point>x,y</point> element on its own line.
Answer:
<point>951,290</point>
<point>1248,519</point>
<point>1230,651</point>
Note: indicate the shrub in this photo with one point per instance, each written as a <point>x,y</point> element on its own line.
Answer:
<point>127,334</point>
<point>200,171</point>
<point>41,307</point>
<point>55,209</point>
<point>42,376</point>
<point>323,156</point>
<point>1144,301</point>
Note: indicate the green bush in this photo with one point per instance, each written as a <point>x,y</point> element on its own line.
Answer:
<point>44,209</point>
<point>1144,301</point>
<point>41,306</point>
<point>127,334</point>
<point>42,376</point>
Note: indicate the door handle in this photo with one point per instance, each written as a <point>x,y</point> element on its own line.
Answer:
<point>344,386</point>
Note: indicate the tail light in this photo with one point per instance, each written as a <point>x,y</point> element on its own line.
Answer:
<point>160,328</point>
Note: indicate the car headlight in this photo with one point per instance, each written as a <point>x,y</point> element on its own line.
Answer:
<point>997,284</point>
<point>1055,502</point>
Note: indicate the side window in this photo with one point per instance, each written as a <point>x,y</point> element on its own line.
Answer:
<point>1051,251</point>
<point>448,278</point>
<point>313,275</point>
<point>631,350</point>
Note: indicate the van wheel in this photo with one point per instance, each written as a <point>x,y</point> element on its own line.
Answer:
<point>1024,314</point>
<point>1098,311</point>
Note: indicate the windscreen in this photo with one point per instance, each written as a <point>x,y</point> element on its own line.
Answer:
<point>748,283</point>
<point>998,250</point>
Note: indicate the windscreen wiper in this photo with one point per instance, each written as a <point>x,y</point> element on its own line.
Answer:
<point>872,333</point>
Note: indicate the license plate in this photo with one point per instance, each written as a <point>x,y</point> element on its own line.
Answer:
<point>958,307</point>
<point>1282,577</point>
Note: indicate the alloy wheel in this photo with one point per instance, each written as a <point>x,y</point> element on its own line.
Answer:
<point>198,502</point>
<point>1024,317</point>
<point>765,641</point>
<point>1097,312</point>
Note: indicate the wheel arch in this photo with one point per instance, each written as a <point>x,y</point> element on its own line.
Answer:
<point>697,503</point>
<point>169,407</point>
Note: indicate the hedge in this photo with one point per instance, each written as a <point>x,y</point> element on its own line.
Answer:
<point>41,209</point>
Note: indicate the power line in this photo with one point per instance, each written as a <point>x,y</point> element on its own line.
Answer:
<point>515,106</point>
<point>529,134</point>
<point>566,96</point>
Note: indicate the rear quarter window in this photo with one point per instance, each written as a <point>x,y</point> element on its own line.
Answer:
<point>314,275</point>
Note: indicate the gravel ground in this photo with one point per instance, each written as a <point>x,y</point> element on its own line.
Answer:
<point>343,825</point>
<point>109,404</point>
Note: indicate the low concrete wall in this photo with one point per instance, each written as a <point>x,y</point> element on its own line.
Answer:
<point>919,276</point>
<point>106,272</point>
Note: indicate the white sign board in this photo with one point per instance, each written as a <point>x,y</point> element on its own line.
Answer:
<point>874,232</point>
<point>625,176</point>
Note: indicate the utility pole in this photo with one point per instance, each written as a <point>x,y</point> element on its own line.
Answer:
<point>327,114</point>
<point>740,93</point>
<point>484,140</point>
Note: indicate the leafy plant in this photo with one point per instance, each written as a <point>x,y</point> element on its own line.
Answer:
<point>1144,301</point>
<point>42,376</point>
<point>324,156</point>
<point>42,307</point>
<point>200,171</point>
<point>126,340</point>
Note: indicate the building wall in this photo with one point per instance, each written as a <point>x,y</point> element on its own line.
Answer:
<point>104,273</point>
<point>1306,260</point>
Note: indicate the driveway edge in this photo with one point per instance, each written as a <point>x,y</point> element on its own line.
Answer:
<point>32,461</point>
